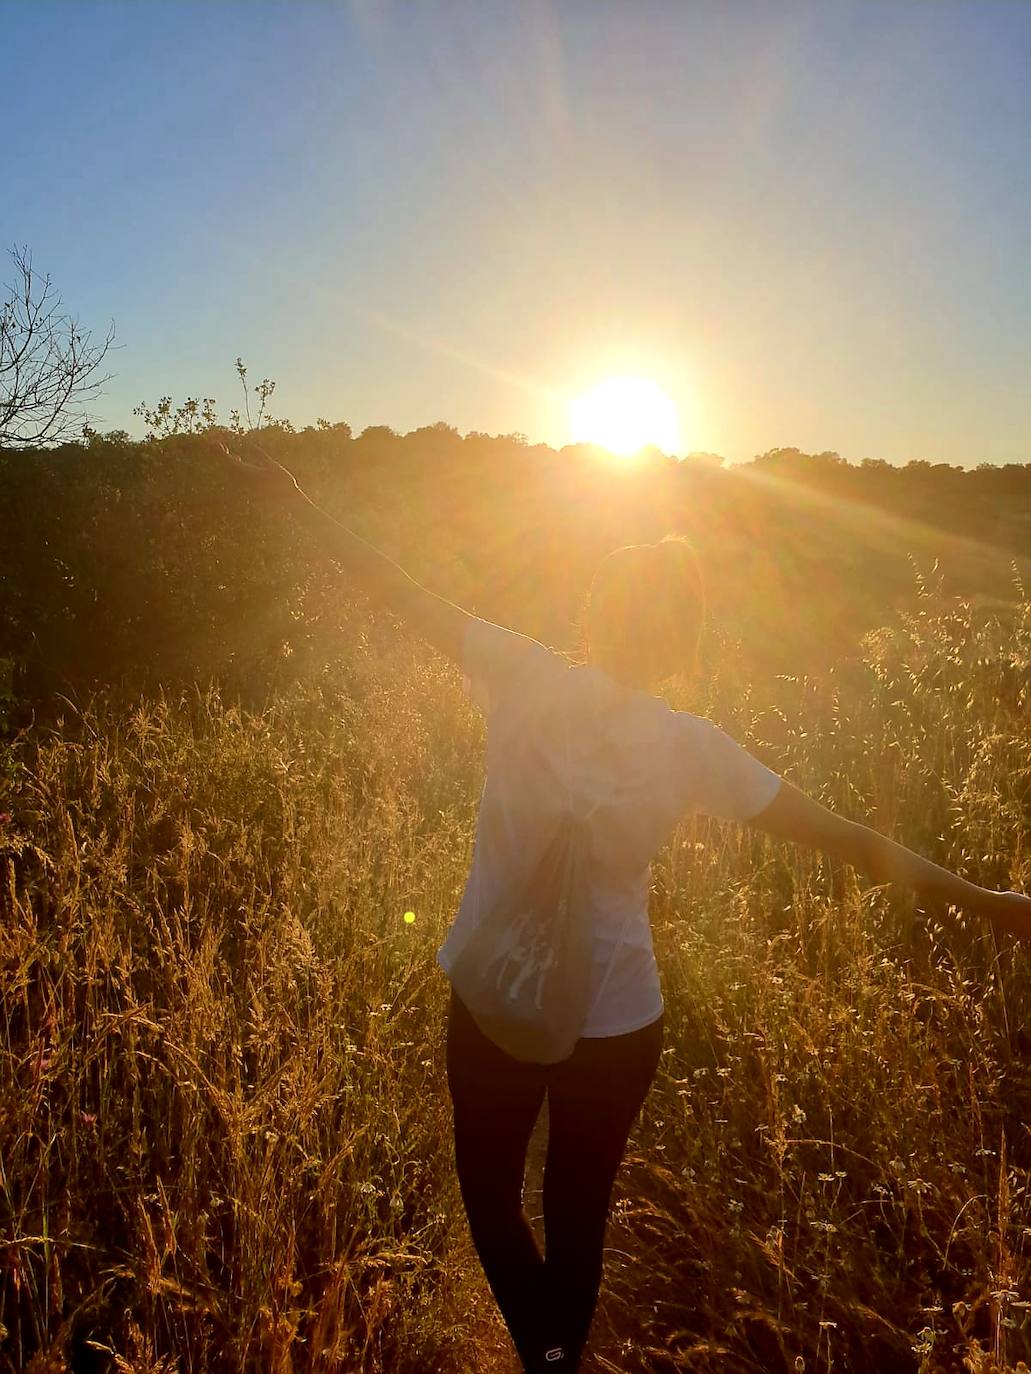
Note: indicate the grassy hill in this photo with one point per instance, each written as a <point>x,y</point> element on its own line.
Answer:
<point>224,1126</point>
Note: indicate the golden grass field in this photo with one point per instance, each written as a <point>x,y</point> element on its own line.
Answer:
<point>224,1123</point>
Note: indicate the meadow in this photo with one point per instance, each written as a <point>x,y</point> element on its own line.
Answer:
<point>238,798</point>
<point>224,1123</point>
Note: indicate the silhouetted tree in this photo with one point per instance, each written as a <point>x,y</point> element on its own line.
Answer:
<point>49,366</point>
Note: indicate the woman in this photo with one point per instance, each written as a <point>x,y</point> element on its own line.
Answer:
<point>596,735</point>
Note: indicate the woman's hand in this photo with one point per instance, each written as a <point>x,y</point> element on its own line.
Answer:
<point>260,472</point>
<point>1010,914</point>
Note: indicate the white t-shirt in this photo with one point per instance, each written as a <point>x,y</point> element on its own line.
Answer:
<point>556,731</point>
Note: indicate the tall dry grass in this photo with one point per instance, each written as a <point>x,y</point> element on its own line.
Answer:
<point>224,1127</point>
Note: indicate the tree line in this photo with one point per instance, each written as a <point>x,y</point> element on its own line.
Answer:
<point>135,564</point>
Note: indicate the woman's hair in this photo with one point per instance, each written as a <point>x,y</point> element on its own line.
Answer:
<point>645,611</point>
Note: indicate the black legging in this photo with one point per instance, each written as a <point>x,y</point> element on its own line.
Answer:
<point>593,1099</point>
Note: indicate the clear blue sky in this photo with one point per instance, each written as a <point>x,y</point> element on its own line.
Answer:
<point>809,222</point>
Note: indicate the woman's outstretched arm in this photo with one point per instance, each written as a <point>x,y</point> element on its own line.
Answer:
<point>794,816</point>
<point>433,617</point>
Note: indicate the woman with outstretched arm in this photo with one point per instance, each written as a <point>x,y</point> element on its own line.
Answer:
<point>596,733</point>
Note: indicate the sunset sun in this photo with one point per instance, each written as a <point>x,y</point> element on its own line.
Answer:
<point>625,414</point>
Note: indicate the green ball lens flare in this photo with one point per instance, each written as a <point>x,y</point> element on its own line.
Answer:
<point>409,918</point>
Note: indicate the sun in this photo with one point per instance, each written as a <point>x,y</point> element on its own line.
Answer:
<point>625,414</point>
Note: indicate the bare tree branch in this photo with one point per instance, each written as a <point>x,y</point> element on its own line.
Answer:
<point>49,366</point>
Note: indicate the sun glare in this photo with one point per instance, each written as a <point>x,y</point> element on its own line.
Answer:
<point>625,414</point>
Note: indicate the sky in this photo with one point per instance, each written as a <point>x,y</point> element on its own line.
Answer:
<point>809,223</point>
